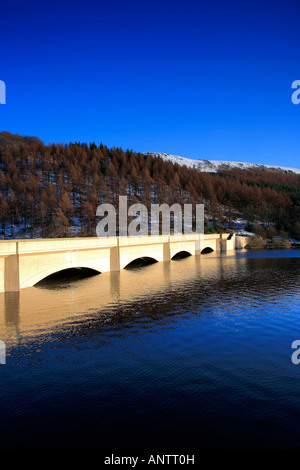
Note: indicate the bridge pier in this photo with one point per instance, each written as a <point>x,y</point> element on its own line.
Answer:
<point>23,263</point>
<point>115,257</point>
<point>11,273</point>
<point>167,251</point>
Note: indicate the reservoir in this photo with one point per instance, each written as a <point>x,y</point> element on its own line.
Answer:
<point>171,357</point>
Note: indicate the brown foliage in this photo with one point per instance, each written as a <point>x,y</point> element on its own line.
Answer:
<point>47,189</point>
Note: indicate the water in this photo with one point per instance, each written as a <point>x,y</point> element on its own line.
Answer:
<point>172,357</point>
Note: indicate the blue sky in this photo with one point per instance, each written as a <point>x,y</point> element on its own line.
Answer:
<point>199,79</point>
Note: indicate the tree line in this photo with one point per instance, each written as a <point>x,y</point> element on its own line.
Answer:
<point>54,190</point>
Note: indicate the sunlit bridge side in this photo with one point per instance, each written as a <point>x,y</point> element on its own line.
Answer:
<point>24,263</point>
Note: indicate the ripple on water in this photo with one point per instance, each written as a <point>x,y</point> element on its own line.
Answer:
<point>194,353</point>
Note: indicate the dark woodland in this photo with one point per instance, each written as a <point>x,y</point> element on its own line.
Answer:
<point>54,190</point>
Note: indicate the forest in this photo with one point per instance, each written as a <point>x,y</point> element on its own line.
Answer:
<point>54,190</point>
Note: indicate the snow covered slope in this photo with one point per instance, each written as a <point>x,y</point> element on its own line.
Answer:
<point>216,165</point>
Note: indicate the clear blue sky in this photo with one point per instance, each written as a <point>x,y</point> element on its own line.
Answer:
<point>203,79</point>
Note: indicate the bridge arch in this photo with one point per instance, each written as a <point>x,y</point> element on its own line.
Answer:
<point>39,276</point>
<point>142,260</point>
<point>67,275</point>
<point>128,253</point>
<point>181,254</point>
<point>207,250</point>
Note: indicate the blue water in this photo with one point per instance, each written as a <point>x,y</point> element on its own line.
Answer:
<point>175,358</point>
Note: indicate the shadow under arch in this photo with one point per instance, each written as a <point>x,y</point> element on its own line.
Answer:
<point>63,277</point>
<point>181,255</point>
<point>207,250</point>
<point>140,262</point>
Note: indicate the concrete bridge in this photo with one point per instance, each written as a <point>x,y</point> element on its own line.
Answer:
<point>23,263</point>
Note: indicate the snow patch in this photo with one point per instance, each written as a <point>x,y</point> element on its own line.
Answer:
<point>217,165</point>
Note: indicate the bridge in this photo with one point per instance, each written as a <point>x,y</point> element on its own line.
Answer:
<point>23,263</point>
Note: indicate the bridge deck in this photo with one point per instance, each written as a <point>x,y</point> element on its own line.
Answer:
<point>25,262</point>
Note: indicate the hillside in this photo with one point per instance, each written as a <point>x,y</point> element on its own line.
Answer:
<point>7,139</point>
<point>54,190</point>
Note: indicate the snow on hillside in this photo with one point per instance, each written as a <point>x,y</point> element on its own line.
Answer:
<point>216,165</point>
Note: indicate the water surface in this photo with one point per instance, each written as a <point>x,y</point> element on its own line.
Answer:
<point>174,357</point>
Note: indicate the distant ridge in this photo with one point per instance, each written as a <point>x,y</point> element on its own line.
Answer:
<point>217,165</point>
<point>7,139</point>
